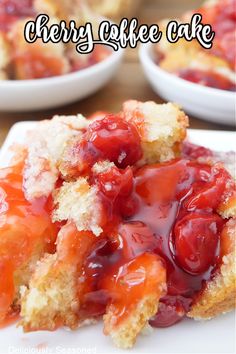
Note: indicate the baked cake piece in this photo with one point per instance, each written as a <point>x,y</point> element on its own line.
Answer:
<point>183,51</point>
<point>45,147</point>
<point>79,202</point>
<point>4,56</point>
<point>81,13</point>
<point>219,294</point>
<point>76,201</point>
<point>162,128</point>
<point>51,299</point>
<point>142,298</point>
<point>183,54</point>
<point>32,176</point>
<point>27,232</point>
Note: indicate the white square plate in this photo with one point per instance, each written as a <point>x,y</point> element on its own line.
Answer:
<point>215,336</point>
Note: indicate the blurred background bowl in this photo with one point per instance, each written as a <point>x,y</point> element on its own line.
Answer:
<point>31,95</point>
<point>117,9</point>
<point>203,102</point>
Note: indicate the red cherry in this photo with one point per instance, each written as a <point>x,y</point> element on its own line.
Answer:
<point>116,182</point>
<point>210,197</point>
<point>171,310</point>
<point>114,139</point>
<point>16,7</point>
<point>110,138</point>
<point>116,186</point>
<point>99,54</point>
<point>196,238</point>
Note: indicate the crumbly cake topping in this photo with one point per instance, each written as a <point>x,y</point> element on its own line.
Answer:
<point>79,202</point>
<point>162,128</point>
<point>45,147</point>
<point>103,166</point>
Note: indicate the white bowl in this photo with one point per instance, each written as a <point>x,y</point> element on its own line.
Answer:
<point>27,95</point>
<point>203,102</point>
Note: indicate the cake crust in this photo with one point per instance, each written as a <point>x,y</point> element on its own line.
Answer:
<point>219,294</point>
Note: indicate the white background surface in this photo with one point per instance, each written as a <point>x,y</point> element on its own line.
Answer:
<point>215,336</point>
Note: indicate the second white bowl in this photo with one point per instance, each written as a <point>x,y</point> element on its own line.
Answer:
<point>203,102</point>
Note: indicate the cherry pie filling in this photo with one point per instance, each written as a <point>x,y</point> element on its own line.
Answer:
<point>24,226</point>
<point>222,18</point>
<point>13,10</point>
<point>34,62</point>
<point>165,211</point>
<point>207,78</point>
<point>170,212</point>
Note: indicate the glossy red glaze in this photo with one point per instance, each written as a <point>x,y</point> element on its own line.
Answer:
<point>207,78</point>
<point>134,281</point>
<point>35,65</point>
<point>171,310</point>
<point>169,218</point>
<point>196,238</point>
<point>115,186</point>
<point>120,271</point>
<point>192,151</point>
